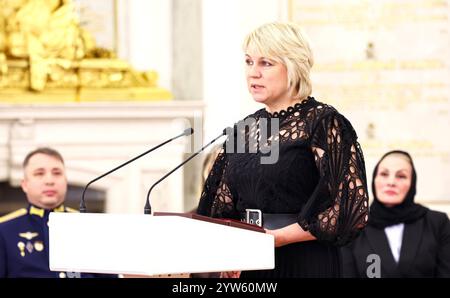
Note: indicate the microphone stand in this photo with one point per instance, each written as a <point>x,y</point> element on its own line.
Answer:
<point>82,209</point>
<point>147,208</point>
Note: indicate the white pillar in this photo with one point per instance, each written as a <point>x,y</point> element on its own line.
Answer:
<point>145,36</point>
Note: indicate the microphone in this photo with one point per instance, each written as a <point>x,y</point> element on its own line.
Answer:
<point>147,208</point>
<point>186,132</point>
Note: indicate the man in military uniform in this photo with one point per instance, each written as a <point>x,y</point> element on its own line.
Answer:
<point>24,250</point>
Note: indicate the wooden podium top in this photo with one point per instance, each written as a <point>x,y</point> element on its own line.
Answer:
<point>220,221</point>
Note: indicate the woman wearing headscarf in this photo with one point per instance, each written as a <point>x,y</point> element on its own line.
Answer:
<point>403,238</point>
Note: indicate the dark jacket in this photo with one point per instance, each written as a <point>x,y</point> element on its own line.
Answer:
<point>425,250</point>
<point>24,241</point>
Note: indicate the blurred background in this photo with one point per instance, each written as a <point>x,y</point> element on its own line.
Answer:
<point>103,81</point>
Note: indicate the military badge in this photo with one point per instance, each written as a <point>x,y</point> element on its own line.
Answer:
<point>29,247</point>
<point>28,235</point>
<point>38,245</point>
<point>21,247</point>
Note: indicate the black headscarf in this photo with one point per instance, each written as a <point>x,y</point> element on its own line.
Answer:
<point>406,212</point>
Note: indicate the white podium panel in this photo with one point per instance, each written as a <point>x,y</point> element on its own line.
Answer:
<point>149,245</point>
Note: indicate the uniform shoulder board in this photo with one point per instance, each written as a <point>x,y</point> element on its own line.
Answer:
<point>13,215</point>
<point>71,210</point>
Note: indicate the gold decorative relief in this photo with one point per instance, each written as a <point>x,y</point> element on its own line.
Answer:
<point>46,56</point>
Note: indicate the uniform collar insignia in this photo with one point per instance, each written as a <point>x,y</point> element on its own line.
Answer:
<point>37,211</point>
<point>28,235</point>
<point>40,212</point>
<point>60,208</point>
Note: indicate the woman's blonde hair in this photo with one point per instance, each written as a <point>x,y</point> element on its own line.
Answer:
<point>285,43</point>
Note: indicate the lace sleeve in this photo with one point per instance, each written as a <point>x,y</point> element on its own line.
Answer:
<point>338,207</point>
<point>216,199</point>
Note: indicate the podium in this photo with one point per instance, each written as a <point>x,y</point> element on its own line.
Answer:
<point>150,245</point>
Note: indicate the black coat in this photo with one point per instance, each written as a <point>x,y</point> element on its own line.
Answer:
<point>425,250</point>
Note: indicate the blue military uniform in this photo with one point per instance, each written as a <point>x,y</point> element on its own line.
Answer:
<point>24,244</point>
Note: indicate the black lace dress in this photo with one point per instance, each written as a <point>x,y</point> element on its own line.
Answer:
<point>319,175</point>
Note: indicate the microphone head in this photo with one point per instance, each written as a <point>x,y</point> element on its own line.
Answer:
<point>188,131</point>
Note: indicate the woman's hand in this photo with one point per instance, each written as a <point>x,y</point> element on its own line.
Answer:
<point>278,235</point>
<point>230,274</point>
<point>290,234</point>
